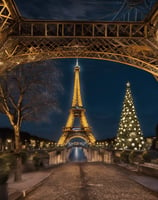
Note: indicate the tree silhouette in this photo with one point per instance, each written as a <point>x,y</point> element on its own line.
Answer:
<point>29,92</point>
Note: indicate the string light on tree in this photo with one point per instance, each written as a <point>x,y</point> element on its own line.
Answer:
<point>129,134</point>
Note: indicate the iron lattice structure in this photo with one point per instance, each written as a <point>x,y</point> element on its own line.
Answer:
<point>23,40</point>
<point>77,111</point>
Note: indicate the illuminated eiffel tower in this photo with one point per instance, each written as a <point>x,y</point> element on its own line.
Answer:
<point>77,111</point>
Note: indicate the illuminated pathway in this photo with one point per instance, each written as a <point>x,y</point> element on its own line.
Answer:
<point>87,181</point>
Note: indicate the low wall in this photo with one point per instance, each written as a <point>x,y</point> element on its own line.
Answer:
<point>99,155</point>
<point>149,169</point>
<point>57,157</point>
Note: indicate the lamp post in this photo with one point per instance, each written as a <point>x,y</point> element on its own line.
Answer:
<point>9,144</point>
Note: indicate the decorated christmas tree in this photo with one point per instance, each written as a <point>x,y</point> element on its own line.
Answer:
<point>129,134</point>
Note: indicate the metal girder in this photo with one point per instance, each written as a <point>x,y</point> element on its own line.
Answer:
<point>8,14</point>
<point>81,29</point>
<point>131,51</point>
<point>131,43</point>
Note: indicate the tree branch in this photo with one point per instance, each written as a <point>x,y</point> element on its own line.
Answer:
<point>5,105</point>
<point>12,102</point>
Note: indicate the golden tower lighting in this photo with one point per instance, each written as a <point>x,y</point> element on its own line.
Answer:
<point>77,111</point>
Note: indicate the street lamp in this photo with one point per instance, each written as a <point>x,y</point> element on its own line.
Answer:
<point>9,144</point>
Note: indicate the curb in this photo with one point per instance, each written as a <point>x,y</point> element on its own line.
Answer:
<point>22,194</point>
<point>18,195</point>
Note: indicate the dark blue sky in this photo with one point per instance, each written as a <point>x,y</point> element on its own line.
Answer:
<point>103,86</point>
<point>107,10</point>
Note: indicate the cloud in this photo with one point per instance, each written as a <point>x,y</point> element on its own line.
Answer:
<point>80,9</point>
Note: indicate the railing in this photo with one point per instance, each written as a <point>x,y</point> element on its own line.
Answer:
<point>81,29</point>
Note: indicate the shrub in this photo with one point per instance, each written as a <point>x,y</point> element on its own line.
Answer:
<point>132,156</point>
<point>124,156</point>
<point>58,152</point>
<point>135,156</point>
<point>4,171</point>
<point>146,157</point>
<point>7,162</point>
<point>36,160</point>
<point>24,156</point>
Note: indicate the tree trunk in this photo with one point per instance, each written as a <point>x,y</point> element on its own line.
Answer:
<point>4,191</point>
<point>18,167</point>
<point>17,139</point>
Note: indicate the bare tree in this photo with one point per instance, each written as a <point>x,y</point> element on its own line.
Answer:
<point>29,92</point>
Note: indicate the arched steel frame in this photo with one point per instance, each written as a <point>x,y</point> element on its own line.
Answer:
<point>23,40</point>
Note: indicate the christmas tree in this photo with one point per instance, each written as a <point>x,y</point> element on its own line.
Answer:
<point>129,134</point>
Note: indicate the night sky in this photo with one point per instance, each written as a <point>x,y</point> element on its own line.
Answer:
<point>103,83</point>
<point>103,86</point>
<point>107,10</point>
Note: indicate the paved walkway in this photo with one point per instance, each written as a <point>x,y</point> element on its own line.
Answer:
<point>86,181</point>
<point>28,183</point>
<point>32,180</point>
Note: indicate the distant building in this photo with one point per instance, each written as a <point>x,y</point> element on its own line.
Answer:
<point>28,141</point>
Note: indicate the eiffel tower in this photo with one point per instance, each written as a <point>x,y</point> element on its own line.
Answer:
<point>77,111</point>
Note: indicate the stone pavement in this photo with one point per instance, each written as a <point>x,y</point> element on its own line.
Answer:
<point>28,183</point>
<point>81,177</point>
